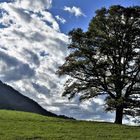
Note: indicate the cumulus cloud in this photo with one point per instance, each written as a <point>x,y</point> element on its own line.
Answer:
<point>62,20</point>
<point>31,49</point>
<point>74,10</point>
<point>10,65</point>
<point>34,5</point>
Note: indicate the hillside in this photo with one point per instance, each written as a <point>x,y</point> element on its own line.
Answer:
<point>11,99</point>
<point>27,126</point>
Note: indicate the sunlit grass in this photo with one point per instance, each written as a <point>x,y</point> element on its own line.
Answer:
<point>28,126</point>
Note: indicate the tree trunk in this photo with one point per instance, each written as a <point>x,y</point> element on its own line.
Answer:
<point>119,115</point>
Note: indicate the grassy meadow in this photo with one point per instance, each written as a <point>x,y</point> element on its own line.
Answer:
<point>27,126</point>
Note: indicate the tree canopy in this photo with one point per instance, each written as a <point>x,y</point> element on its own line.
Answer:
<point>105,60</point>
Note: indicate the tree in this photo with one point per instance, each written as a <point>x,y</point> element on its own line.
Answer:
<point>105,60</point>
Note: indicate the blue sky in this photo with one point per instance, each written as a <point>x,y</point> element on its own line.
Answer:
<point>88,7</point>
<point>34,42</point>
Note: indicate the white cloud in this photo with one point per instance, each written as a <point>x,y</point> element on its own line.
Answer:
<point>31,49</point>
<point>74,10</point>
<point>34,5</point>
<point>62,20</point>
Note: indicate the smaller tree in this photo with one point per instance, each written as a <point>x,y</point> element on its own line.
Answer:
<point>105,60</point>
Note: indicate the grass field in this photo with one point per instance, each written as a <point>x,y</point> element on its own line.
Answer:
<point>28,126</point>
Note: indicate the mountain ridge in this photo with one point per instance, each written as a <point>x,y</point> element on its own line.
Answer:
<point>11,99</point>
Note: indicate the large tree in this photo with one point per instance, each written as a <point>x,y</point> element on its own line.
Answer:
<point>105,60</point>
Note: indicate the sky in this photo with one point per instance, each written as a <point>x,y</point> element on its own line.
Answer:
<point>34,40</point>
<point>88,8</point>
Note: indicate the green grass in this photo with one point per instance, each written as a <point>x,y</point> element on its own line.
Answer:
<point>28,126</point>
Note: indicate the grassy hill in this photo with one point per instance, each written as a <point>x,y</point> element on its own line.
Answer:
<point>27,126</point>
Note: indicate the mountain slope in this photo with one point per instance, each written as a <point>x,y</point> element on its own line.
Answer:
<point>11,99</point>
